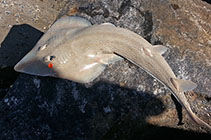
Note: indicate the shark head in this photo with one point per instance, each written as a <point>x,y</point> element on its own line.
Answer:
<point>36,63</point>
<point>50,57</point>
<point>61,62</point>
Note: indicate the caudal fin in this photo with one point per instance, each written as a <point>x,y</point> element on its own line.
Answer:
<point>197,120</point>
<point>183,86</point>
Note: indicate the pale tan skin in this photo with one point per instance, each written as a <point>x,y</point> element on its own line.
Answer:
<point>81,53</point>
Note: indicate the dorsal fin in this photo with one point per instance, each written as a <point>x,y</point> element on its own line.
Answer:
<point>159,49</point>
<point>183,85</point>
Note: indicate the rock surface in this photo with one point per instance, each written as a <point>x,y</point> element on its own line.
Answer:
<point>124,102</point>
<point>22,23</point>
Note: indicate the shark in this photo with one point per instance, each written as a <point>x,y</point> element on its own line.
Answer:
<point>76,50</point>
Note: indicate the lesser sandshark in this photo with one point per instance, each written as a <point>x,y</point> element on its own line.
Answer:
<point>76,50</point>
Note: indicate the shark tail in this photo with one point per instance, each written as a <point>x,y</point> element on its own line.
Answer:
<point>196,119</point>
<point>182,86</point>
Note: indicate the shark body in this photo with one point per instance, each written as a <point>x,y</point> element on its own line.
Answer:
<point>74,49</point>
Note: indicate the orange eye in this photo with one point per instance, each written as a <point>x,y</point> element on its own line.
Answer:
<point>50,65</point>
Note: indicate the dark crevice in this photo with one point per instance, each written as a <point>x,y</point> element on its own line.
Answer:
<point>179,110</point>
<point>157,42</point>
<point>94,11</point>
<point>124,7</point>
<point>208,99</point>
<point>148,25</point>
<point>208,1</point>
<point>7,78</point>
<point>175,6</point>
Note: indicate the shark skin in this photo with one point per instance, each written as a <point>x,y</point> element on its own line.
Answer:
<point>74,49</point>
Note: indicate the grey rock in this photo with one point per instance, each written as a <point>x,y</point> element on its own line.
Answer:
<point>124,102</point>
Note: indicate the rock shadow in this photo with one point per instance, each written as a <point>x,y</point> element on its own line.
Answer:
<point>60,109</point>
<point>19,41</point>
<point>153,132</point>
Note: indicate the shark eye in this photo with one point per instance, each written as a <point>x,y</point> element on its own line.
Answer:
<point>52,57</point>
<point>42,47</point>
<point>49,58</point>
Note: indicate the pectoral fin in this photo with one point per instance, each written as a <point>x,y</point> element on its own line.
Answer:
<point>92,70</point>
<point>183,85</point>
<point>109,58</point>
<point>89,72</point>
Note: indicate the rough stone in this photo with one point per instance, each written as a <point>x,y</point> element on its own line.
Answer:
<point>124,102</point>
<point>22,24</point>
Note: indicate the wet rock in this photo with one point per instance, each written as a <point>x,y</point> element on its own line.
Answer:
<point>124,102</point>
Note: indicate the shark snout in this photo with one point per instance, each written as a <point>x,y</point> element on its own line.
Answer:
<point>33,66</point>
